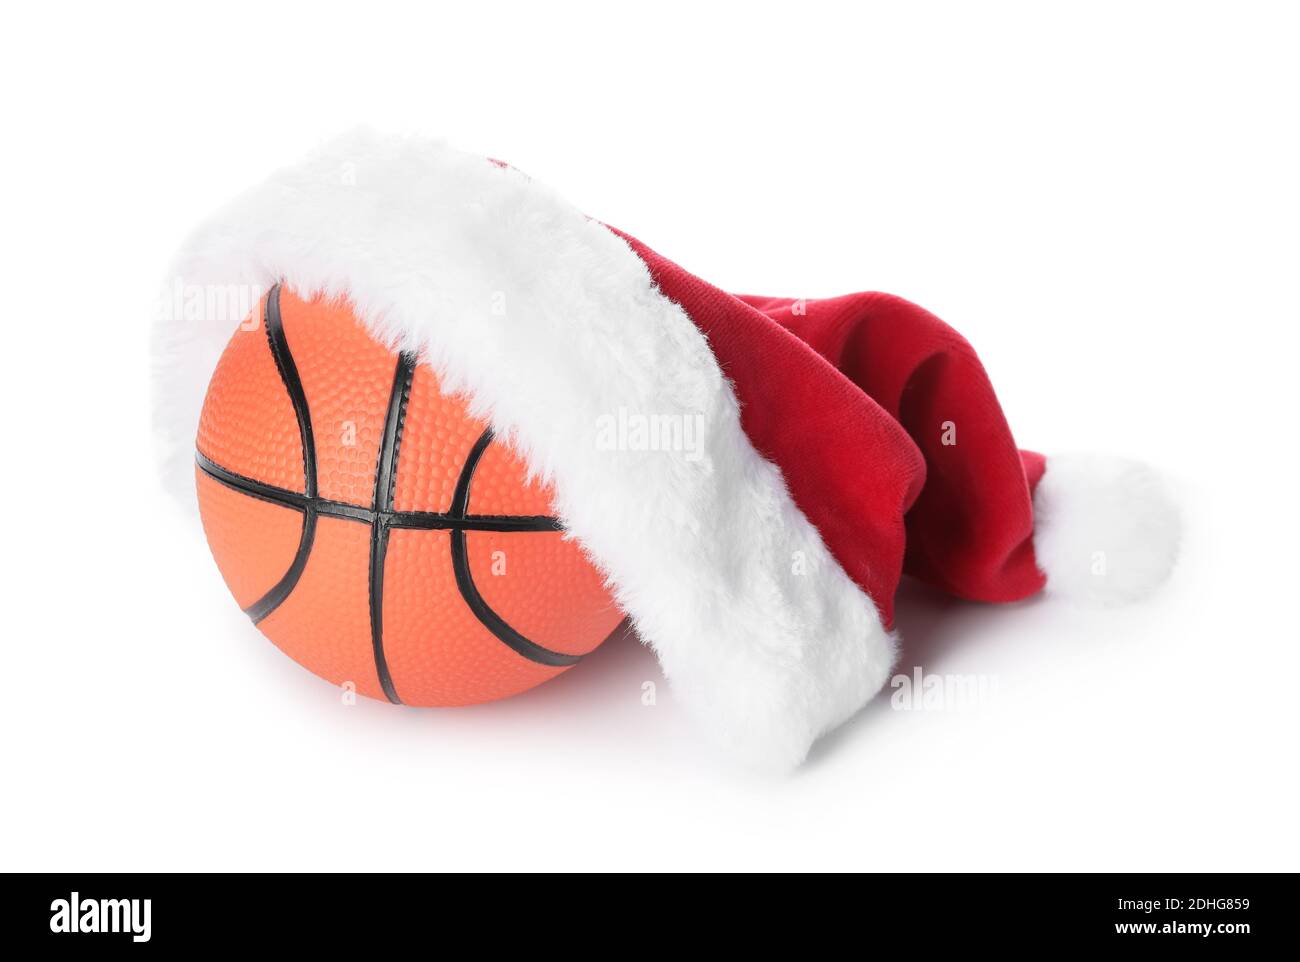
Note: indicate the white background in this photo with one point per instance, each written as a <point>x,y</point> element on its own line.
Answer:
<point>1102,197</point>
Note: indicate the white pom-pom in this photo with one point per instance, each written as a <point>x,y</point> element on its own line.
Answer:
<point>1105,529</point>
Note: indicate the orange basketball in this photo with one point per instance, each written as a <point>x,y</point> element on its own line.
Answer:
<point>375,531</point>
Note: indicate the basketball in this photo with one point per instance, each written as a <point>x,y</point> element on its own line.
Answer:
<point>374,530</point>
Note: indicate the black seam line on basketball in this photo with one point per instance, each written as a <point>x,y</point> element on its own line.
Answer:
<point>275,336</point>
<point>272,599</point>
<point>490,619</point>
<point>385,481</point>
<point>420,520</point>
<point>279,345</point>
<point>378,553</point>
<point>460,499</point>
<point>474,522</point>
<point>390,446</point>
<point>465,578</point>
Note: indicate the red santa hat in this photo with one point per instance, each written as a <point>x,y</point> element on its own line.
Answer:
<point>816,450</point>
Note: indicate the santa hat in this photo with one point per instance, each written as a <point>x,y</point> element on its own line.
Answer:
<point>753,474</point>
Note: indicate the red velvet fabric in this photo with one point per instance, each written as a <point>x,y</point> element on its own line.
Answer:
<point>887,430</point>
